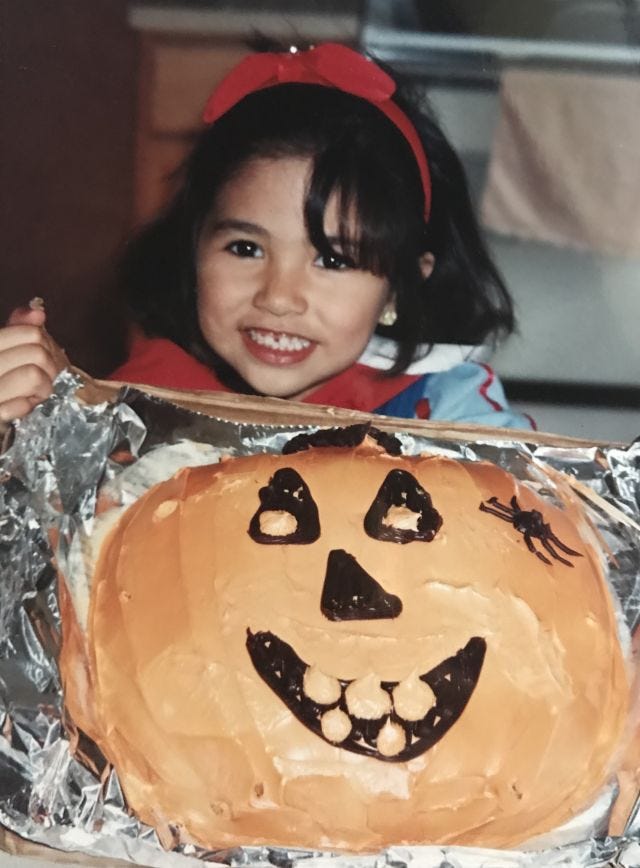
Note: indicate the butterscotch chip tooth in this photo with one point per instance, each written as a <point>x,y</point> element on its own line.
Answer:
<point>336,725</point>
<point>320,687</point>
<point>391,739</point>
<point>366,699</point>
<point>413,698</point>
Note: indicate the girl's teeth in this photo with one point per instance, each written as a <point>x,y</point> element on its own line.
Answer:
<point>278,341</point>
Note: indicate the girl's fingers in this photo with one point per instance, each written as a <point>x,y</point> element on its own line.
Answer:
<point>27,316</point>
<point>15,409</point>
<point>27,372</point>
<point>27,381</point>
<point>26,325</point>
<point>13,336</point>
<point>30,363</point>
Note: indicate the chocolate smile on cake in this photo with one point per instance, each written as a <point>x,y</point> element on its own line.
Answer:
<point>383,733</point>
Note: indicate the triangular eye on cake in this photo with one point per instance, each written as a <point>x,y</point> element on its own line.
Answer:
<point>287,511</point>
<point>402,511</point>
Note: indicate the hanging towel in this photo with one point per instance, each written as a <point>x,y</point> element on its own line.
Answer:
<point>565,165</point>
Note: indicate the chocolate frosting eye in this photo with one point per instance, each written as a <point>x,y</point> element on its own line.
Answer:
<point>287,496</point>
<point>402,491</point>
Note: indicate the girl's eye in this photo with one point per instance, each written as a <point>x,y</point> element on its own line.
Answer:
<point>245,249</point>
<point>333,261</point>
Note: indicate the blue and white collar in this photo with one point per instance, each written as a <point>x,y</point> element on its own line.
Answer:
<point>380,353</point>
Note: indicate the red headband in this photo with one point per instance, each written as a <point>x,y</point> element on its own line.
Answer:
<point>331,65</point>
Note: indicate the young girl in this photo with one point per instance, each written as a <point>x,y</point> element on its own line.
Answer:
<point>322,247</point>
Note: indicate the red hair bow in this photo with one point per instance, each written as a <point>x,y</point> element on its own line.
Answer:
<point>331,65</point>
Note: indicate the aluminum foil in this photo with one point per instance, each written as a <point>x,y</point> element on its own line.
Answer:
<point>61,455</point>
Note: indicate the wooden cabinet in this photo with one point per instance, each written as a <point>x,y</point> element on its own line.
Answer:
<point>177,74</point>
<point>66,161</point>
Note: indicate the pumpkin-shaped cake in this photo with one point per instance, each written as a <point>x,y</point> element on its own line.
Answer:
<point>344,648</point>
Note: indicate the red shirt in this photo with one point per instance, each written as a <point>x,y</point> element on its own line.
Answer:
<point>160,362</point>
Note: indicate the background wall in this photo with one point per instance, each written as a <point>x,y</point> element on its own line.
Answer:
<point>578,311</point>
<point>66,165</point>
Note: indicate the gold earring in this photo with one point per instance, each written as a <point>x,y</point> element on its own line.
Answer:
<point>389,315</point>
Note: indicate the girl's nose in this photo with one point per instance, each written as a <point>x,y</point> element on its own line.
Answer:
<point>282,291</point>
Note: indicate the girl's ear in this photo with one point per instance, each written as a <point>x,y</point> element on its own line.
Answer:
<point>426,263</point>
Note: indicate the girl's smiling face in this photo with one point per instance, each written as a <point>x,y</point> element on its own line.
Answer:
<point>283,316</point>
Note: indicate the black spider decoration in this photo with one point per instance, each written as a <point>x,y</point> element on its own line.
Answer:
<point>530,523</point>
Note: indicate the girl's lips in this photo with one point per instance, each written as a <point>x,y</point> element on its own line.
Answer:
<point>277,348</point>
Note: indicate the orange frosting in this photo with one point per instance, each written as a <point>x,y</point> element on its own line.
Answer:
<point>202,743</point>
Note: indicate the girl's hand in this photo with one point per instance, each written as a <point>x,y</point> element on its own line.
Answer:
<point>29,362</point>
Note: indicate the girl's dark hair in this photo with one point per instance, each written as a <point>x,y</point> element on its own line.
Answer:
<point>357,152</point>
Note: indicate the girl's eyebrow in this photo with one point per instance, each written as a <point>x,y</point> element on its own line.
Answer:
<point>238,226</point>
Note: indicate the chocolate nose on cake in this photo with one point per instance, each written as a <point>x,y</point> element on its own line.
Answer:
<point>349,593</point>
